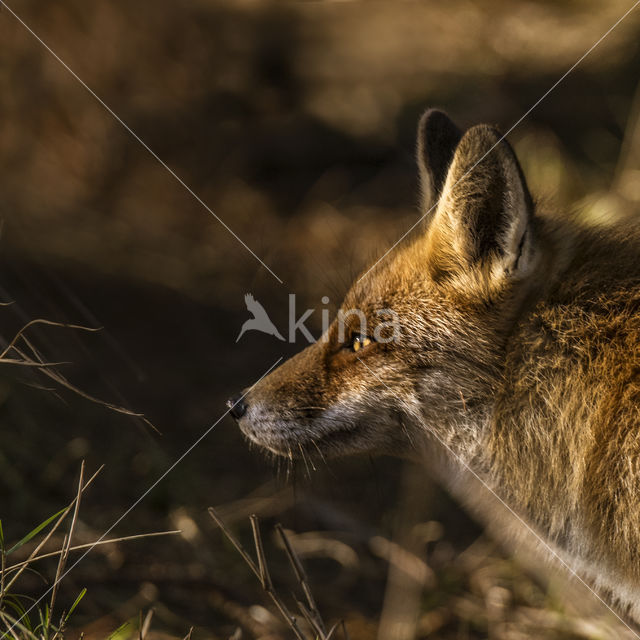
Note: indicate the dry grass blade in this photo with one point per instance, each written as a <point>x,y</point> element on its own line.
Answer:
<point>333,630</point>
<point>146,625</point>
<point>32,363</point>
<point>81,547</point>
<point>58,522</point>
<point>13,625</point>
<point>63,382</point>
<point>261,570</point>
<point>301,576</point>
<point>235,542</point>
<point>265,578</point>
<point>39,321</point>
<point>47,368</point>
<point>65,554</point>
<point>54,588</point>
<point>3,564</point>
<point>188,636</point>
<point>311,621</point>
<point>8,623</point>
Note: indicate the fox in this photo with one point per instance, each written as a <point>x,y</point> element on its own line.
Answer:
<point>514,377</point>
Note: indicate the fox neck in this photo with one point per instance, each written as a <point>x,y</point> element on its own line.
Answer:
<point>462,442</point>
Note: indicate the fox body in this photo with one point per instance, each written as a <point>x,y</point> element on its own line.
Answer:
<point>516,367</point>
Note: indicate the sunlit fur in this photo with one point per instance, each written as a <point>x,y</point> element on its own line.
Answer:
<point>518,356</point>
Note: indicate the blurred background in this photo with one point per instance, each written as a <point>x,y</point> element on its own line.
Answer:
<point>295,123</point>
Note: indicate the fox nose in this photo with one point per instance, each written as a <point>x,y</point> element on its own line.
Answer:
<point>237,406</point>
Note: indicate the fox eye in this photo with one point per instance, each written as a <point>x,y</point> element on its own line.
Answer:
<point>359,342</point>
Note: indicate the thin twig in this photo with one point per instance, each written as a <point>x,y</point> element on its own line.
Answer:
<point>301,576</point>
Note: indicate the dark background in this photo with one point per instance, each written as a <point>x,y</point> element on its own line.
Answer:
<point>295,123</point>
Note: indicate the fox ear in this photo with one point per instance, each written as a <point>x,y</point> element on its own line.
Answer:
<point>438,138</point>
<point>485,211</point>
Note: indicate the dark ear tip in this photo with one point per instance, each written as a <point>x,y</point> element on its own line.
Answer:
<point>438,138</point>
<point>434,120</point>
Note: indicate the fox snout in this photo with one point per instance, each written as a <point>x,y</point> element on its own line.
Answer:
<point>278,413</point>
<point>315,404</point>
<point>237,406</point>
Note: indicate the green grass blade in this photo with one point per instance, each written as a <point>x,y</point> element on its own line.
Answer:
<point>14,603</point>
<point>117,634</point>
<point>75,604</point>
<point>44,619</point>
<point>35,531</point>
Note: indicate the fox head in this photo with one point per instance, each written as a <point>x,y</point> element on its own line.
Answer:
<point>453,294</point>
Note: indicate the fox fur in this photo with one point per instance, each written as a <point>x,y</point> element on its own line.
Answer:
<point>518,358</point>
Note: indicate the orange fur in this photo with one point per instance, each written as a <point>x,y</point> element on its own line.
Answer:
<point>518,356</point>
